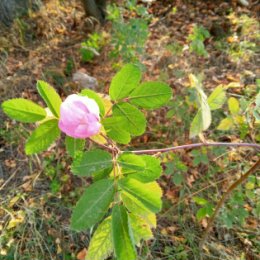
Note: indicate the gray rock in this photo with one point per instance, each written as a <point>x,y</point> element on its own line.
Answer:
<point>84,80</point>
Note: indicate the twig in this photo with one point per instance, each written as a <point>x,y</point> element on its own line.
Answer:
<point>191,146</point>
<point>225,197</point>
<point>9,179</point>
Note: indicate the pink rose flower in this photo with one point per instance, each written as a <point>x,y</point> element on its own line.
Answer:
<point>79,116</point>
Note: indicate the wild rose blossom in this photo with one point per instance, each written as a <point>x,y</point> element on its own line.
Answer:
<point>79,116</point>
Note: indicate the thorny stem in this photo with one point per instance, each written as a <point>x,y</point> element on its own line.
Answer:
<point>225,197</point>
<point>191,146</point>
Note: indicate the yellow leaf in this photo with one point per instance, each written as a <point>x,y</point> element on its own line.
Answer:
<point>17,219</point>
<point>13,201</point>
<point>233,106</point>
<point>99,138</point>
<point>226,124</point>
<point>239,120</point>
<point>234,85</point>
<point>107,103</point>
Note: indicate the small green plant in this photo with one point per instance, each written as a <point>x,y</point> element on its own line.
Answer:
<point>91,47</point>
<point>197,38</point>
<point>128,37</point>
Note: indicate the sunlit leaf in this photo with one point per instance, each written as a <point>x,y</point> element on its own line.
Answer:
<point>149,194</point>
<point>50,96</point>
<point>101,246</point>
<point>138,208</point>
<point>151,95</point>
<point>125,81</point>
<point>42,137</point>
<point>23,110</point>
<point>134,119</point>
<point>141,229</point>
<point>114,127</point>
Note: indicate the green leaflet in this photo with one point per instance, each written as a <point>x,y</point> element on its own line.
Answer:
<point>141,229</point>
<point>152,169</point>
<point>151,95</point>
<point>42,137</point>
<point>91,162</point>
<point>93,205</point>
<point>50,96</point>
<point>202,120</point>
<point>149,194</point>
<point>138,208</point>
<point>114,127</point>
<point>144,168</point>
<point>134,120</point>
<point>122,234</point>
<point>131,163</point>
<point>124,82</point>
<point>93,95</point>
<point>23,110</point>
<point>74,145</point>
<point>101,246</point>
<point>217,98</point>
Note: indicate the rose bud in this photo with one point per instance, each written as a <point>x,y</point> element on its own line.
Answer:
<point>79,116</point>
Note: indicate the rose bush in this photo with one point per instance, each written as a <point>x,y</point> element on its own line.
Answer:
<point>79,117</point>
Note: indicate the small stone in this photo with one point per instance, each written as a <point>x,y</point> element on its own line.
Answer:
<point>84,80</point>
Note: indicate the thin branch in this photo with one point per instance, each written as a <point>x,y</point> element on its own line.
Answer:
<point>191,146</point>
<point>225,196</point>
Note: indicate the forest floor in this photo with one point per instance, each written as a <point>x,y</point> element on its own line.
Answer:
<point>37,192</point>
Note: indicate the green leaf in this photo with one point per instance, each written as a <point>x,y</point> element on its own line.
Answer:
<point>177,178</point>
<point>144,168</point>
<point>23,110</point>
<point>101,246</point>
<point>42,137</point>
<point>137,207</point>
<point>148,193</point>
<point>88,163</point>
<point>151,95</point>
<point>74,145</point>
<point>131,163</point>
<point>202,120</point>
<point>141,229</point>
<point>233,106</point>
<point>226,124</point>
<point>114,127</point>
<point>205,211</point>
<point>93,205</point>
<point>93,95</point>
<point>217,98</point>
<point>124,82</point>
<point>122,234</point>
<point>201,213</point>
<point>50,96</point>
<point>200,201</point>
<point>134,120</point>
<point>152,169</point>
